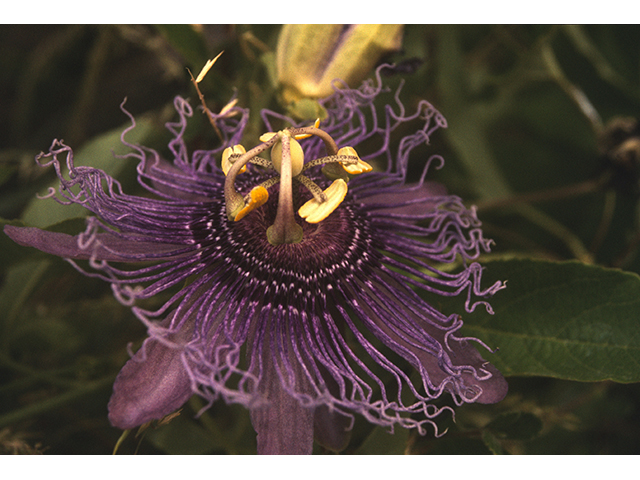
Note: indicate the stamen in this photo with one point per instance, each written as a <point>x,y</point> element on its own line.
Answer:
<point>265,137</point>
<point>234,202</point>
<point>258,196</point>
<point>346,160</point>
<point>354,168</point>
<point>314,211</point>
<point>310,185</point>
<point>329,142</point>
<point>287,159</point>
<point>302,136</point>
<point>234,153</point>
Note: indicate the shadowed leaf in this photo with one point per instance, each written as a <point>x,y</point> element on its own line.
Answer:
<point>563,320</point>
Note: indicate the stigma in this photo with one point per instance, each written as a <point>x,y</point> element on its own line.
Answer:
<point>288,163</point>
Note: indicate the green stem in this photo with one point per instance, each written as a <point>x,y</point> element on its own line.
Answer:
<point>574,93</point>
<point>348,159</point>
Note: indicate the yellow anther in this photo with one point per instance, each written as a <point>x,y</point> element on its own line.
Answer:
<point>235,150</point>
<point>297,157</point>
<point>302,136</point>
<point>357,168</point>
<point>207,67</point>
<point>354,168</point>
<point>257,197</point>
<point>265,137</point>
<point>314,211</point>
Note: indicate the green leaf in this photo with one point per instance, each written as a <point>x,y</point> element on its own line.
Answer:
<point>382,442</point>
<point>563,320</point>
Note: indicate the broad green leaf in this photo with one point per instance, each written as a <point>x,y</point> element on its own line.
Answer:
<point>71,226</point>
<point>99,153</point>
<point>564,320</point>
<point>381,442</point>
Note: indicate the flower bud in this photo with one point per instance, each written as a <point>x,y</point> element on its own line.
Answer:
<point>310,57</point>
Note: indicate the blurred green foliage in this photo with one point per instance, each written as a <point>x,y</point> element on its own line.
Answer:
<point>543,137</point>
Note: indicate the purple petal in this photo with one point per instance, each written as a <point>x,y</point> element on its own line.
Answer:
<point>69,246</point>
<point>151,385</point>
<point>408,199</point>
<point>168,181</point>
<point>55,243</point>
<point>494,389</point>
<point>284,426</point>
<point>473,373</point>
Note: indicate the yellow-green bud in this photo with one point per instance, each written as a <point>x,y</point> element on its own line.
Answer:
<point>310,57</point>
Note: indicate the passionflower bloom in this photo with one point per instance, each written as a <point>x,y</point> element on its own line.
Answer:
<point>297,278</point>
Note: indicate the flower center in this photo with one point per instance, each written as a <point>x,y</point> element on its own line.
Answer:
<point>330,250</point>
<point>288,163</point>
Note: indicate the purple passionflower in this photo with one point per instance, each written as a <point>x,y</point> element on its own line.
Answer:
<point>297,324</point>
